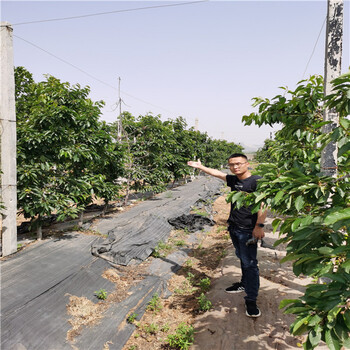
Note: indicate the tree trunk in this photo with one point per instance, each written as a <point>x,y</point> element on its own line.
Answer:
<point>81,219</point>
<point>126,198</point>
<point>39,231</point>
<point>105,208</point>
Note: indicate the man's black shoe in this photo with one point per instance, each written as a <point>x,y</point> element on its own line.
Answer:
<point>251,309</point>
<point>235,288</point>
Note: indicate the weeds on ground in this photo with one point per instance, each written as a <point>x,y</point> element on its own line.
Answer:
<point>180,243</point>
<point>155,303</point>
<point>183,337</point>
<point>190,278</point>
<point>151,328</point>
<point>186,288</point>
<point>221,229</point>
<point>101,294</point>
<point>188,263</point>
<point>204,284</point>
<point>131,318</point>
<point>165,328</point>
<point>204,303</point>
<point>200,212</point>
<point>161,250</point>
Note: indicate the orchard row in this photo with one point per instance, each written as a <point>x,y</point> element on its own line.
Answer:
<point>67,155</point>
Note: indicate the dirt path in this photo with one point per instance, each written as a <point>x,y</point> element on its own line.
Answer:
<point>225,326</point>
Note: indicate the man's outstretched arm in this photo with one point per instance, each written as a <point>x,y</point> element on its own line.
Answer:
<point>209,171</point>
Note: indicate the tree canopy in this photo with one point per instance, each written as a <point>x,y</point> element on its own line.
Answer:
<point>314,209</point>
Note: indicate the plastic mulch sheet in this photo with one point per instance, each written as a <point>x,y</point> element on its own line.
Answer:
<point>133,235</point>
<point>37,282</point>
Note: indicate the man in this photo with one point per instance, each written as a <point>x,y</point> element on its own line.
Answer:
<point>243,226</point>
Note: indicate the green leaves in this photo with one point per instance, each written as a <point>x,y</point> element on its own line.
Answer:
<point>278,196</point>
<point>314,209</point>
<point>299,203</point>
<point>236,197</point>
<point>65,154</point>
<point>325,250</point>
<point>159,151</point>
<point>331,340</point>
<point>337,215</point>
<point>314,338</point>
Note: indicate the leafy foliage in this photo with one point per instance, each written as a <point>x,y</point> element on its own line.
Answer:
<point>265,154</point>
<point>183,337</point>
<point>159,151</point>
<point>155,303</point>
<point>101,294</point>
<point>65,154</point>
<point>315,208</point>
<point>131,318</point>
<point>204,303</point>
<point>204,284</point>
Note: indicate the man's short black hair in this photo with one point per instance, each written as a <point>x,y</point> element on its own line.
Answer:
<point>235,155</point>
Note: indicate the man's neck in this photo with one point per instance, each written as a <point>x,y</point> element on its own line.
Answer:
<point>244,175</point>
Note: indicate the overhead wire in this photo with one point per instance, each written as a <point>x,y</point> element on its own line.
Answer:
<point>90,75</point>
<point>99,14</point>
<point>313,50</point>
<point>64,61</point>
<point>109,12</point>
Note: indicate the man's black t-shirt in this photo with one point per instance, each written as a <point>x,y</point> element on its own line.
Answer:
<point>242,217</point>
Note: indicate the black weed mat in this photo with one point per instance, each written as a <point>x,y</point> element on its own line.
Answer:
<point>191,222</point>
<point>36,283</point>
<point>133,235</point>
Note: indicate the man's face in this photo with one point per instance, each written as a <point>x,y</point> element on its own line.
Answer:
<point>238,165</point>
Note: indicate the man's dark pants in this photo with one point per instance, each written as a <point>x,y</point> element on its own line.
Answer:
<point>247,255</point>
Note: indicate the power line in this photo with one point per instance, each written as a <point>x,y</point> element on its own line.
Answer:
<point>313,51</point>
<point>64,61</point>
<point>109,12</point>
<point>151,104</point>
<point>90,75</point>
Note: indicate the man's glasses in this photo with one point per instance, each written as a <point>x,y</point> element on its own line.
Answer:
<point>236,164</point>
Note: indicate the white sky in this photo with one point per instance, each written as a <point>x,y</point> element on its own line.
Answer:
<point>204,60</point>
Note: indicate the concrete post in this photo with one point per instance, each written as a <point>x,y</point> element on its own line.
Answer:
<point>332,70</point>
<point>8,142</point>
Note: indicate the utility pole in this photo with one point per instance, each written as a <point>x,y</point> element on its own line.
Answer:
<point>196,123</point>
<point>8,142</point>
<point>120,113</point>
<point>332,70</point>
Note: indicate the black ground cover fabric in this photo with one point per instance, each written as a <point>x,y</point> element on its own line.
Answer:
<point>36,282</point>
<point>133,235</point>
<point>34,291</point>
<point>191,222</point>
